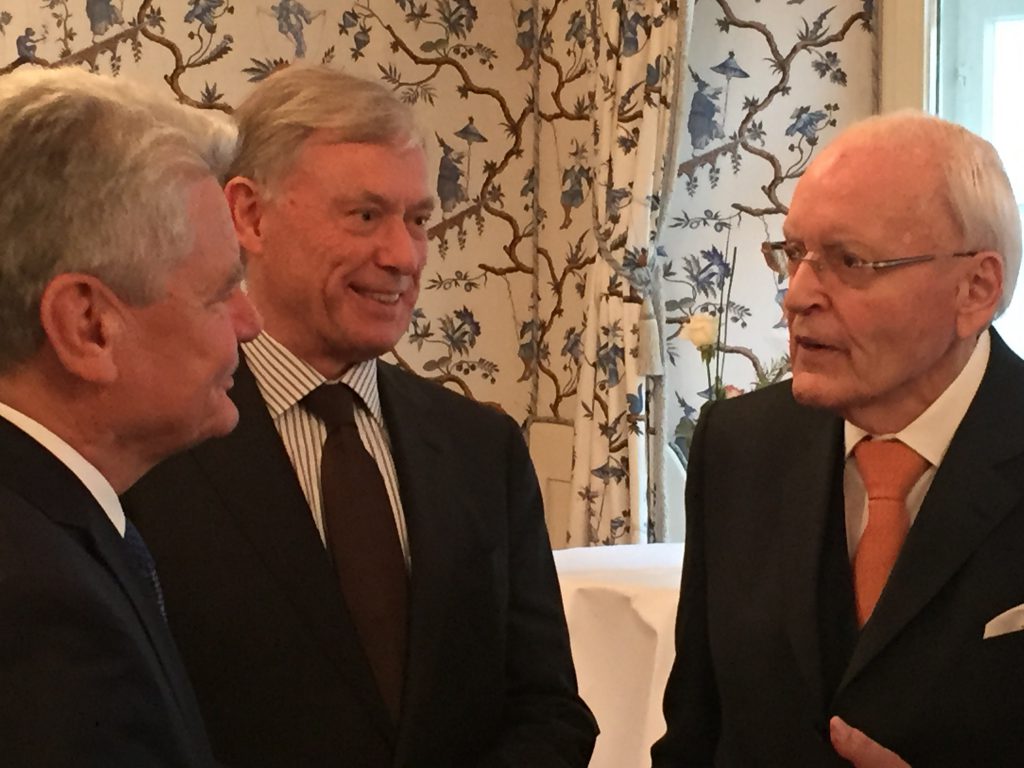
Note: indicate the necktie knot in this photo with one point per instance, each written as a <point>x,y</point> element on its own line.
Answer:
<point>889,468</point>
<point>333,404</point>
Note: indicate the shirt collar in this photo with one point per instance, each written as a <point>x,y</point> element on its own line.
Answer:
<point>90,477</point>
<point>931,433</point>
<point>284,379</point>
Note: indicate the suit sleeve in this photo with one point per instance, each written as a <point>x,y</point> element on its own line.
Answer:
<point>546,724</point>
<point>691,697</point>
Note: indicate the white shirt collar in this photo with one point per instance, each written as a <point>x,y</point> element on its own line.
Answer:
<point>91,478</point>
<point>931,433</point>
<point>284,379</point>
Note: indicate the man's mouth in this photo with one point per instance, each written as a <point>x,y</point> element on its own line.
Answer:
<point>806,342</point>
<point>381,297</point>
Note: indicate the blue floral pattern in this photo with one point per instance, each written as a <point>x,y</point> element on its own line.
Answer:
<point>802,61</point>
<point>535,228</point>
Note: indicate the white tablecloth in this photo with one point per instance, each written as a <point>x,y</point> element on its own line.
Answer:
<point>620,603</point>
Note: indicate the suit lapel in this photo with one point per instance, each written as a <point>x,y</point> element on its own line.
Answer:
<point>44,481</point>
<point>968,498</point>
<point>435,513</point>
<point>256,484</point>
<point>806,503</point>
<point>111,549</point>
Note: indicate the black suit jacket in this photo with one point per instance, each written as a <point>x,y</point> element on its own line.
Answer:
<point>254,604</point>
<point>89,676</point>
<point>761,663</point>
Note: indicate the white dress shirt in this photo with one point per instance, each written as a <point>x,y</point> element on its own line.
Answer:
<point>929,434</point>
<point>91,477</point>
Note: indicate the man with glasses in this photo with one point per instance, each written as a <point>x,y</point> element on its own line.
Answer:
<point>853,588</point>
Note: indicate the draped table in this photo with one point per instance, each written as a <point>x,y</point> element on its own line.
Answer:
<point>620,604</point>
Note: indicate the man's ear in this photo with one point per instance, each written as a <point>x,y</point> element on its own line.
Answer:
<point>979,293</point>
<point>246,206</point>
<point>82,318</point>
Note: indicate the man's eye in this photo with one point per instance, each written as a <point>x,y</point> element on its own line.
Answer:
<point>367,215</point>
<point>849,261</point>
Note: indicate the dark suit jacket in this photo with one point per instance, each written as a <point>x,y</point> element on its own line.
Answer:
<point>89,676</point>
<point>766,652</point>
<point>254,604</point>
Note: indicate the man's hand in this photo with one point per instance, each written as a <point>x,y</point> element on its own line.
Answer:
<point>860,749</point>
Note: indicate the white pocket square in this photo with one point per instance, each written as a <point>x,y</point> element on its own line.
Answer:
<point>1005,623</point>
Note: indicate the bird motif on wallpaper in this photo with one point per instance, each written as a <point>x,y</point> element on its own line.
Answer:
<point>806,122</point>
<point>203,11</point>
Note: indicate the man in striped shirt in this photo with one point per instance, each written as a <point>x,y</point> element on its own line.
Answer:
<point>330,200</point>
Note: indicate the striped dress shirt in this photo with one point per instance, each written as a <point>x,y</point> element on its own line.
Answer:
<point>284,380</point>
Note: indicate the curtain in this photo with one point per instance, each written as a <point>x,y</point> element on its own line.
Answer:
<point>637,65</point>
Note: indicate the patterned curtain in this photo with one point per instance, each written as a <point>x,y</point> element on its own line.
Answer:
<point>638,66</point>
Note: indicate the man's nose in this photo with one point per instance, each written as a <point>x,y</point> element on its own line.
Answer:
<point>805,290</point>
<point>401,248</point>
<point>246,317</point>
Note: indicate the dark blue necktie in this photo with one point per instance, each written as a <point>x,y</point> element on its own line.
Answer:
<point>143,562</point>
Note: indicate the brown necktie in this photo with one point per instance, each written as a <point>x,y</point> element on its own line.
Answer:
<point>363,540</point>
<point>889,469</point>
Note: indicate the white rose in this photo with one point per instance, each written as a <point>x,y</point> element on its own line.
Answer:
<point>701,330</point>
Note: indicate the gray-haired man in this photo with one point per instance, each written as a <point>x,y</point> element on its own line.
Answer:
<point>120,315</point>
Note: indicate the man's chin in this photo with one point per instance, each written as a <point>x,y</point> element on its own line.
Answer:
<point>221,425</point>
<point>810,390</point>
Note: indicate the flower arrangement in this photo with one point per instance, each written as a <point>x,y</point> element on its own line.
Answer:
<point>702,331</point>
<point>705,332</point>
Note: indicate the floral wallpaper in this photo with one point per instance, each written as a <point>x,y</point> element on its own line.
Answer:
<point>504,91</point>
<point>770,83</point>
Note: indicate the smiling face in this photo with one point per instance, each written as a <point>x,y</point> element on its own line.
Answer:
<point>881,353</point>
<point>337,248</point>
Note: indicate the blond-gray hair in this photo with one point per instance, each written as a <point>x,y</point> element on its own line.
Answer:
<point>96,173</point>
<point>295,103</point>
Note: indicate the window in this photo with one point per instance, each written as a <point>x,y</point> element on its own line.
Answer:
<point>963,59</point>
<point>978,67</point>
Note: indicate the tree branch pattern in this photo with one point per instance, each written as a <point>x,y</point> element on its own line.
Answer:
<point>792,104</point>
<point>505,92</point>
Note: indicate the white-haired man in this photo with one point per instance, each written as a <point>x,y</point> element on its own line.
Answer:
<point>120,315</point>
<point>853,588</point>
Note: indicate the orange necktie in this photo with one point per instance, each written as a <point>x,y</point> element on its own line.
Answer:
<point>889,469</point>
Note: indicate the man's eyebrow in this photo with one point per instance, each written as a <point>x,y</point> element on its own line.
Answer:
<point>426,205</point>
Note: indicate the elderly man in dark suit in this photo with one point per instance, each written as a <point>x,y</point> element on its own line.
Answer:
<point>853,586</point>
<point>365,578</point>
<point>120,315</point>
